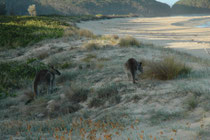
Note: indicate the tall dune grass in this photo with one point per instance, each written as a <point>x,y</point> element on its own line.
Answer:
<point>166,69</point>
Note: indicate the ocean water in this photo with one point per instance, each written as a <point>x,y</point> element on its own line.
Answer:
<point>206,25</point>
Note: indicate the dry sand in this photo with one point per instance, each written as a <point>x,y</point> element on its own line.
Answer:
<point>179,32</point>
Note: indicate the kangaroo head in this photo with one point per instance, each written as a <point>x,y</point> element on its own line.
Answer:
<point>140,67</point>
<point>55,71</point>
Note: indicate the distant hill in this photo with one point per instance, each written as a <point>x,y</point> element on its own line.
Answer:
<point>191,7</point>
<point>105,7</point>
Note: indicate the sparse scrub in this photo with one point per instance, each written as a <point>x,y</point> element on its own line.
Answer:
<point>96,102</point>
<point>160,116</point>
<point>166,69</point>
<point>103,59</point>
<point>77,94</point>
<point>42,55</point>
<point>115,100</point>
<point>71,31</point>
<point>129,42</point>
<point>68,107</point>
<point>86,33</point>
<point>109,37</point>
<point>91,46</point>
<point>35,108</point>
<point>136,98</point>
<point>204,134</point>
<point>28,96</point>
<point>89,58</point>
<point>192,103</point>
<point>116,37</point>
<point>99,65</point>
<point>67,76</point>
<point>107,92</point>
<point>67,65</point>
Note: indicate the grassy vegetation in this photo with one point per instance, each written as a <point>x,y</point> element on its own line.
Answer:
<point>108,93</point>
<point>192,103</point>
<point>160,116</point>
<point>128,42</point>
<point>89,57</point>
<point>67,76</point>
<point>91,94</point>
<point>77,94</point>
<point>14,74</point>
<point>86,33</point>
<point>166,69</point>
<point>91,46</point>
<point>96,102</point>
<point>20,31</point>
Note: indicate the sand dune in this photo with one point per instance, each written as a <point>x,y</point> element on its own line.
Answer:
<point>179,32</point>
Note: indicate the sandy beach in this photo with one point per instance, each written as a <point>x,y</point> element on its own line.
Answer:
<point>179,32</point>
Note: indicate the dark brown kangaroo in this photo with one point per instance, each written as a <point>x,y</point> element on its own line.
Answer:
<point>47,77</point>
<point>131,68</point>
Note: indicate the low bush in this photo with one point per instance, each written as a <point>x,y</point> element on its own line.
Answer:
<point>166,69</point>
<point>128,42</point>
<point>86,33</point>
<point>13,74</point>
<point>19,31</point>
<point>96,102</point>
<point>107,91</point>
<point>192,103</point>
<point>77,94</point>
<point>91,46</point>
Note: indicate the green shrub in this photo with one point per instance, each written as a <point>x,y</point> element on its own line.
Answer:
<point>115,99</point>
<point>96,102</point>
<point>77,94</point>
<point>107,91</point>
<point>166,69</point>
<point>128,42</point>
<point>13,74</point>
<point>192,103</point>
<point>19,31</point>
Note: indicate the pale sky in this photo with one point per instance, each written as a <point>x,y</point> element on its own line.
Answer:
<point>169,2</point>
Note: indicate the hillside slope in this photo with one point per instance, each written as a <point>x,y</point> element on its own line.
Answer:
<point>191,7</point>
<point>106,7</point>
<point>93,92</point>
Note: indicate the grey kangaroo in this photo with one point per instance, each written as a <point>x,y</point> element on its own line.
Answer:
<point>45,77</point>
<point>132,67</point>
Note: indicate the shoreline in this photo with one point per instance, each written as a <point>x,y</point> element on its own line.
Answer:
<point>177,32</point>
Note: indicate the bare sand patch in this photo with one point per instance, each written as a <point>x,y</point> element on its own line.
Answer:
<point>179,32</point>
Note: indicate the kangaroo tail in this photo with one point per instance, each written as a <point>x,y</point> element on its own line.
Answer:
<point>133,75</point>
<point>35,88</point>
